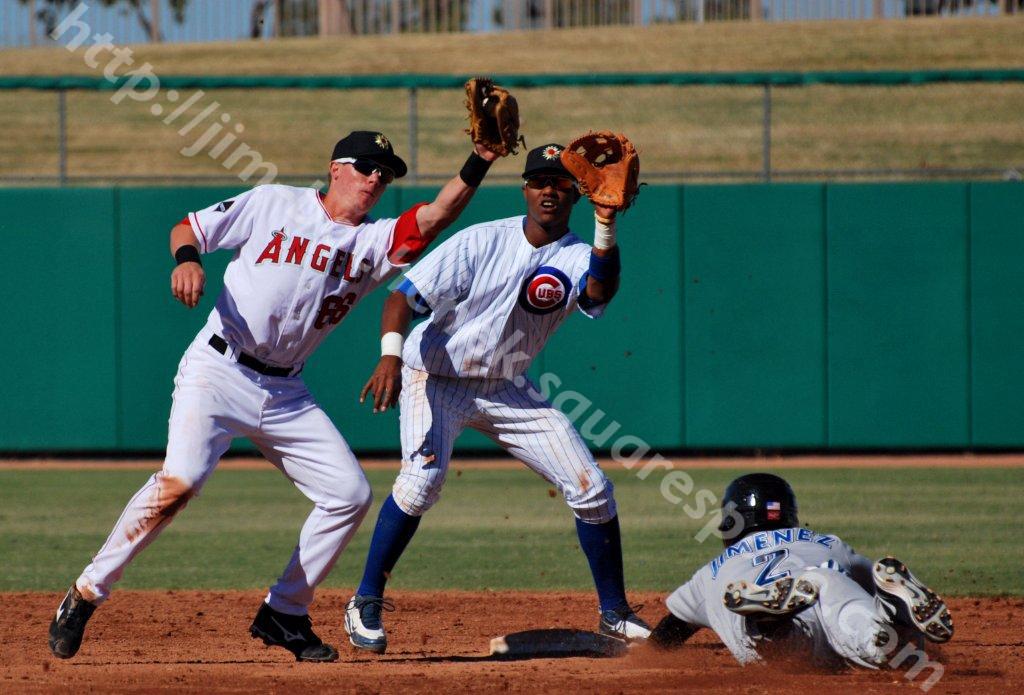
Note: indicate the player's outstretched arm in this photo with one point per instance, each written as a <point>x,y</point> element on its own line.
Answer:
<point>671,633</point>
<point>435,217</point>
<point>187,278</point>
<point>603,277</point>
<point>386,381</point>
<point>494,130</point>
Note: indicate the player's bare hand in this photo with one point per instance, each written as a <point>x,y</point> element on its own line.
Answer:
<point>485,153</point>
<point>187,283</point>
<point>607,213</point>
<point>385,383</point>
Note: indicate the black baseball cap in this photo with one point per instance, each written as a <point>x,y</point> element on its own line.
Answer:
<point>369,144</point>
<point>546,159</point>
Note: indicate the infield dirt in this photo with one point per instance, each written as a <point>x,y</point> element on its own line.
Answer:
<point>190,641</point>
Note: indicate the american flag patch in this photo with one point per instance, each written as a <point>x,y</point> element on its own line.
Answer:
<point>773,507</point>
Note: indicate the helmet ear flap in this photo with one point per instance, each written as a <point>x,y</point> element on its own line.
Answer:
<point>728,524</point>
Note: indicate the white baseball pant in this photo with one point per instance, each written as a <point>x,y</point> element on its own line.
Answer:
<point>435,410</point>
<point>844,621</point>
<point>215,400</point>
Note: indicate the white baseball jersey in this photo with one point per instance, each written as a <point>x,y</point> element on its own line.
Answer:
<point>495,298</point>
<point>296,272</point>
<point>843,578</point>
<point>295,275</point>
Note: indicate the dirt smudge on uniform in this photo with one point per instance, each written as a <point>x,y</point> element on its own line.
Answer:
<point>87,592</point>
<point>584,481</point>
<point>169,496</point>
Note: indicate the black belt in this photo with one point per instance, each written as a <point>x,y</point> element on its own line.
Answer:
<point>247,360</point>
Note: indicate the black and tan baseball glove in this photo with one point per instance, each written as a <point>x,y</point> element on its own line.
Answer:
<point>493,116</point>
<point>606,167</point>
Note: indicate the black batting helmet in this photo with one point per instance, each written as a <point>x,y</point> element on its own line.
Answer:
<point>763,501</point>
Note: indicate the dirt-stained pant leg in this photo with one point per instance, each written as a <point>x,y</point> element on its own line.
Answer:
<point>541,436</point>
<point>298,437</point>
<point>844,621</point>
<point>433,411</point>
<point>212,403</point>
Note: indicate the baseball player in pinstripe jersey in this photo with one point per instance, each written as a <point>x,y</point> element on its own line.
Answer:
<point>495,292</point>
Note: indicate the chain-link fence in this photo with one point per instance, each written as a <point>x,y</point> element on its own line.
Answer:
<point>722,126</point>
<point>31,22</point>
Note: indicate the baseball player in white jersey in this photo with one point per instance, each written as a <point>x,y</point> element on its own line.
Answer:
<point>777,583</point>
<point>495,293</point>
<point>301,261</point>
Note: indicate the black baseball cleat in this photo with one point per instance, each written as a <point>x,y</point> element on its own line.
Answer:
<point>906,601</point>
<point>293,632</point>
<point>68,625</point>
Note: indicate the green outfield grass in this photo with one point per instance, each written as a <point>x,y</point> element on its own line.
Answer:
<point>676,129</point>
<point>500,529</point>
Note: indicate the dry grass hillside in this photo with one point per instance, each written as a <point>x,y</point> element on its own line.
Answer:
<point>707,130</point>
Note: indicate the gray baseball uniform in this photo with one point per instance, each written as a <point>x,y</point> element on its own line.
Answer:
<point>842,622</point>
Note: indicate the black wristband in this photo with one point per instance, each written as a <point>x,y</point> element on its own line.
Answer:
<point>187,253</point>
<point>474,170</point>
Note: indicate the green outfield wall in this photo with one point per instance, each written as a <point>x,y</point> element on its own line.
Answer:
<point>817,316</point>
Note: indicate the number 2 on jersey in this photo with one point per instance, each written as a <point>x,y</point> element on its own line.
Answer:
<point>770,562</point>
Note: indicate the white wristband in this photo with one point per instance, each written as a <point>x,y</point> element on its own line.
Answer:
<point>391,344</point>
<point>604,232</point>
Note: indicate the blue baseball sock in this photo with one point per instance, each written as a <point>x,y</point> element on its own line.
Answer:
<point>602,544</point>
<point>393,532</point>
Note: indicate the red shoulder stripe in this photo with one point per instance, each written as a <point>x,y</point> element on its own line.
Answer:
<point>199,228</point>
<point>407,243</point>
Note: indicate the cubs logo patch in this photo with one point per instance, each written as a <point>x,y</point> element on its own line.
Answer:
<point>545,291</point>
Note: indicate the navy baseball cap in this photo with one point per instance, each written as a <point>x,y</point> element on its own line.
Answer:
<point>368,144</point>
<point>546,159</point>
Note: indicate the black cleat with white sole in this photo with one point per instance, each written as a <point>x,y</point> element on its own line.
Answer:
<point>907,601</point>
<point>293,632</point>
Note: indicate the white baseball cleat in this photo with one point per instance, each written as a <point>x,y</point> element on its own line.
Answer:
<point>624,623</point>
<point>781,597</point>
<point>905,600</point>
<point>364,625</point>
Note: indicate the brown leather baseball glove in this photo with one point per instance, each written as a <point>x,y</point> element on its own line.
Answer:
<point>493,116</point>
<point>606,167</point>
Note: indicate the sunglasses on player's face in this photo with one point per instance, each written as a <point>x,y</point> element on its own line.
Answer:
<point>366,167</point>
<point>559,183</point>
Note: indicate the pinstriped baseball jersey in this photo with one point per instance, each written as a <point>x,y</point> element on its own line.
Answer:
<point>495,298</point>
<point>296,272</point>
